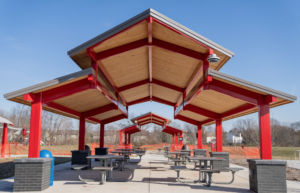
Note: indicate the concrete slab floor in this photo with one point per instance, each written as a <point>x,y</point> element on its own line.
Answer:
<point>154,176</point>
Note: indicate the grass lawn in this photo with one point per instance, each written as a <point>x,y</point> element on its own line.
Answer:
<point>284,152</point>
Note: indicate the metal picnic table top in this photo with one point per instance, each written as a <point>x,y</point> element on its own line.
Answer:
<point>124,149</point>
<point>109,156</point>
<point>180,153</point>
<point>199,158</point>
<point>184,150</point>
<point>123,152</point>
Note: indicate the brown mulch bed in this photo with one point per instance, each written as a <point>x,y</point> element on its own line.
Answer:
<point>291,173</point>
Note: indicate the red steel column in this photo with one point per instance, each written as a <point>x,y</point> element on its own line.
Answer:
<point>172,139</point>
<point>81,143</point>
<point>264,128</point>
<point>101,135</point>
<point>4,139</point>
<point>121,137</point>
<point>219,145</point>
<point>129,135</point>
<point>200,136</point>
<point>35,127</point>
<point>180,137</point>
<point>176,139</point>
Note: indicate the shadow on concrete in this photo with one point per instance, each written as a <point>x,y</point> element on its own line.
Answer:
<point>212,187</point>
<point>168,179</point>
<point>6,186</point>
<point>157,162</point>
<point>148,168</point>
<point>74,183</point>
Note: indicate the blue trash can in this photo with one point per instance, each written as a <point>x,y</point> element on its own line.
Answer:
<point>47,154</point>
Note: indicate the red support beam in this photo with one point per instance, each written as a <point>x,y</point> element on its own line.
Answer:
<point>162,101</point>
<point>201,69</point>
<point>233,91</point>
<point>142,117</point>
<point>219,146</point>
<point>122,31</point>
<point>196,91</point>
<point>200,136</point>
<point>240,109</point>
<point>35,127</point>
<point>264,128</point>
<point>207,121</point>
<point>61,108</point>
<point>65,90</point>
<point>144,121</point>
<point>101,137</point>
<point>157,122</point>
<point>178,49</point>
<point>180,143</point>
<point>172,139</point>
<point>133,85</point>
<point>167,85</point>
<point>154,81</point>
<point>178,32</point>
<point>146,99</point>
<point>147,42</point>
<point>81,144</point>
<point>68,111</point>
<point>150,40</point>
<point>176,138</point>
<point>201,111</point>
<point>121,137</point>
<point>4,140</point>
<point>188,120</point>
<point>100,110</point>
<point>113,119</point>
<point>122,49</point>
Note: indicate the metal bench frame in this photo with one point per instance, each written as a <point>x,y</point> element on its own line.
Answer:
<point>233,170</point>
<point>132,168</point>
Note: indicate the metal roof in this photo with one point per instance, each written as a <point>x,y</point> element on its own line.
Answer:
<point>3,120</point>
<point>158,16</point>
<point>47,84</point>
<point>251,85</point>
<point>133,119</point>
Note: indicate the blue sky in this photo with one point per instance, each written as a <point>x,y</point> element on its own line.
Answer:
<point>264,35</point>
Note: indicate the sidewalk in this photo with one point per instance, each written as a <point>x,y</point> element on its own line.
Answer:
<point>154,176</point>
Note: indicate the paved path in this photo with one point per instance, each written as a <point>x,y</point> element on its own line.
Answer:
<point>293,163</point>
<point>154,176</point>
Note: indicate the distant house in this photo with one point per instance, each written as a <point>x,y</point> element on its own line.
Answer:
<point>210,137</point>
<point>234,138</point>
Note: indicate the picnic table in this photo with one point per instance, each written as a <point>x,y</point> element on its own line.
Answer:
<point>124,153</point>
<point>177,160</point>
<point>109,172</point>
<point>125,149</point>
<point>183,150</point>
<point>106,158</point>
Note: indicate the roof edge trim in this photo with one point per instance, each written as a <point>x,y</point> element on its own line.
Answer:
<point>47,83</point>
<point>156,15</point>
<point>252,85</point>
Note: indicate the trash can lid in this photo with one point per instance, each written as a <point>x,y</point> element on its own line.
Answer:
<point>46,153</point>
